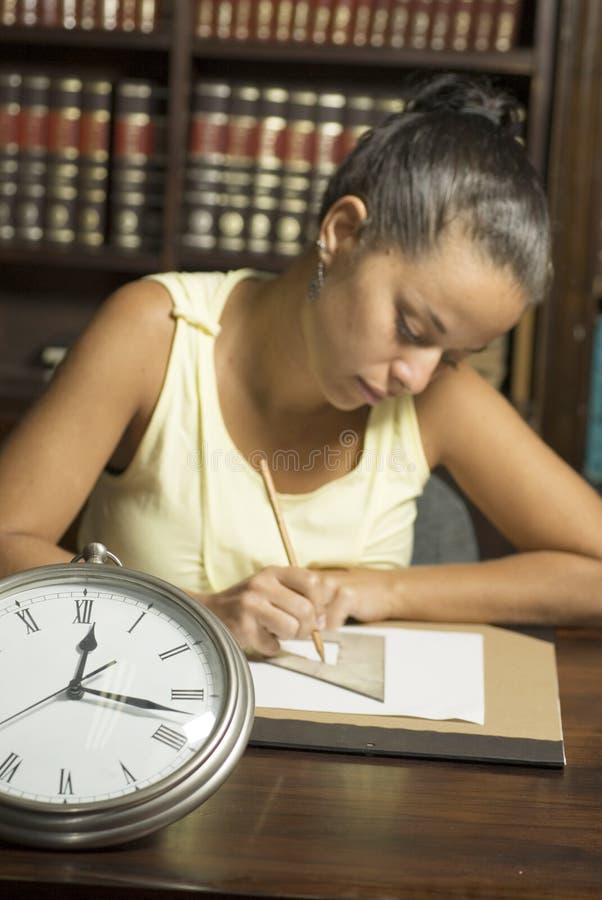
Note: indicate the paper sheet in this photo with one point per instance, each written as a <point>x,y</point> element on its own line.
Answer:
<point>428,674</point>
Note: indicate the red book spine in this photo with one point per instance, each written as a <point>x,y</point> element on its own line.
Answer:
<point>281,14</point>
<point>484,25</point>
<point>241,153</point>
<point>138,165</point>
<point>267,180</point>
<point>301,21</point>
<point>319,26</point>
<point>399,22</point>
<point>419,26</point>
<point>50,16</point>
<point>205,163</point>
<point>507,24</point>
<point>29,13</point>
<point>330,111</point>
<point>299,154</point>
<point>204,18</point>
<point>341,23</point>
<point>242,23</point>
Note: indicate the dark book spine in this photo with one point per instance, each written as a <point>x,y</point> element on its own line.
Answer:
<point>299,155</point>
<point>484,25</point>
<point>319,23</point>
<point>441,28</point>
<point>241,154</point>
<point>420,24</point>
<point>462,24</point>
<point>51,14</point>
<point>358,118</point>
<point>10,111</point>
<point>301,21</point>
<point>93,185</point>
<point>330,109</point>
<point>267,180</point>
<point>138,165</point>
<point>362,23</point>
<point>507,24</point>
<point>205,163</point>
<point>60,219</point>
<point>33,156</point>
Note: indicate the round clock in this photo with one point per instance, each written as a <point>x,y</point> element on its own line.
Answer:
<point>124,705</point>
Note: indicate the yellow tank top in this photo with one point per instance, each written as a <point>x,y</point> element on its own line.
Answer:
<point>192,510</point>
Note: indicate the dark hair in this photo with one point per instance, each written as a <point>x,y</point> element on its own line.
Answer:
<point>452,156</point>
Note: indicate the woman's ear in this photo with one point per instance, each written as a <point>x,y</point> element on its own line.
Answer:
<point>342,224</point>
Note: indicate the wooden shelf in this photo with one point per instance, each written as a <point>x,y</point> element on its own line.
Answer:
<point>96,38</point>
<point>105,259</point>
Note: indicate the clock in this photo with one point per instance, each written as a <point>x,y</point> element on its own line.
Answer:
<point>125,704</point>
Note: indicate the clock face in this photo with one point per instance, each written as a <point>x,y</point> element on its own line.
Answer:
<point>113,690</point>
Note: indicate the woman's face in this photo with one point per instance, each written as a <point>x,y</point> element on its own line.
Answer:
<point>384,325</point>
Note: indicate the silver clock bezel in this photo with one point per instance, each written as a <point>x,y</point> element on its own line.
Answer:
<point>133,815</point>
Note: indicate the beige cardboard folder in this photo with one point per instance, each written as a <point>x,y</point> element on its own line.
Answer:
<point>522,712</point>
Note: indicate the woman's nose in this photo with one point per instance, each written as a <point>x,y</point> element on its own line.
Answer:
<point>415,368</point>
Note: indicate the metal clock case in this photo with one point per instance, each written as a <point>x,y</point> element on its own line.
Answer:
<point>124,704</point>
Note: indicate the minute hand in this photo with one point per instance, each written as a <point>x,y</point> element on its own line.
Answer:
<point>140,702</point>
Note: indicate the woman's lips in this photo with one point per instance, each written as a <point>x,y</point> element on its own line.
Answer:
<point>371,395</point>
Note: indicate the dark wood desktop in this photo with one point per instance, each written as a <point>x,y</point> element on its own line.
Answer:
<point>309,824</point>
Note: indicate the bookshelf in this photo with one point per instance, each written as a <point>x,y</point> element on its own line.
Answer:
<point>49,292</point>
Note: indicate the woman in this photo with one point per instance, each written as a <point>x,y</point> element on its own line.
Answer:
<point>346,374</point>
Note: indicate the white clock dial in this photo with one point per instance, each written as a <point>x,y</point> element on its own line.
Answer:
<point>124,704</point>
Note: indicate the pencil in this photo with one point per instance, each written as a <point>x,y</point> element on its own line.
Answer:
<point>290,553</point>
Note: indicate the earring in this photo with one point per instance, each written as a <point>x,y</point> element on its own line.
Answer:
<point>317,282</point>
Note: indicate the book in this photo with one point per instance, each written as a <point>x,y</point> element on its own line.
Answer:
<point>330,110</point>
<point>243,20</point>
<point>361,23</point>
<point>301,21</point>
<point>60,216</point>
<point>10,110</point>
<point>223,24</point>
<point>341,22</point>
<point>281,13</point>
<point>441,25</point>
<point>269,161</point>
<point>507,24</point>
<point>205,162</point>
<point>462,24</point>
<point>8,12</point>
<point>138,165</point>
<point>319,24</point>
<point>205,18</point>
<point>30,194</point>
<point>299,153</point>
<point>399,21</point>
<point>93,175</point>
<point>379,23</point>
<point>419,25</point>
<point>484,25</point>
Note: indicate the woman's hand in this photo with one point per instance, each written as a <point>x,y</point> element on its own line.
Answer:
<point>274,603</point>
<point>366,595</point>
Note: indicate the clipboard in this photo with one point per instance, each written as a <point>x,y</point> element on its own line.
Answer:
<point>522,712</point>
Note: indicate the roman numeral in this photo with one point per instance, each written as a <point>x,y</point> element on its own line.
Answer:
<point>170,737</point>
<point>130,779</point>
<point>27,619</point>
<point>185,694</point>
<point>167,654</point>
<point>65,785</point>
<point>83,611</point>
<point>9,766</point>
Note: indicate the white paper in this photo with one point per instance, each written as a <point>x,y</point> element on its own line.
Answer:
<point>428,674</point>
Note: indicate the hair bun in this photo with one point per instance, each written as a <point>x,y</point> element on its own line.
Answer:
<point>467,95</point>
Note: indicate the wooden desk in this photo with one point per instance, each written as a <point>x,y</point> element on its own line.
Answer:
<point>303,824</point>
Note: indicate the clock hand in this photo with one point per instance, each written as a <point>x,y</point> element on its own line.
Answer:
<point>134,701</point>
<point>86,645</point>
<point>56,693</point>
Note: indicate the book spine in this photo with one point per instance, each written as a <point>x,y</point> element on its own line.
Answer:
<point>319,26</point>
<point>109,15</point>
<point>89,14</point>
<point>205,15</point>
<point>149,14</point>
<point>362,21</point>
<point>358,118</point>
<point>281,13</point>
<point>463,18</point>
<point>8,12</point>
<point>241,153</point>
<point>63,160</point>
<point>419,26</point>
<point>484,25</point>
<point>29,13</point>
<point>93,178</point>
<point>242,24</point>
<point>379,23</point>
<point>69,14</point>
<point>138,165</point>
<point>441,27</point>
<point>224,19</point>
<point>10,111</point>
<point>205,163</point>
<point>267,180</point>
<point>127,15</point>
<point>507,24</point>
<point>341,23</point>
<point>301,21</point>
<point>399,22</point>
<point>33,155</point>
<point>299,154</point>
<point>330,110</point>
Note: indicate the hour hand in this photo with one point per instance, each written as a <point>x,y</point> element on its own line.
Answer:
<point>140,702</point>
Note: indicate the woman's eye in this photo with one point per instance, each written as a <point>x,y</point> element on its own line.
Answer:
<point>405,332</point>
